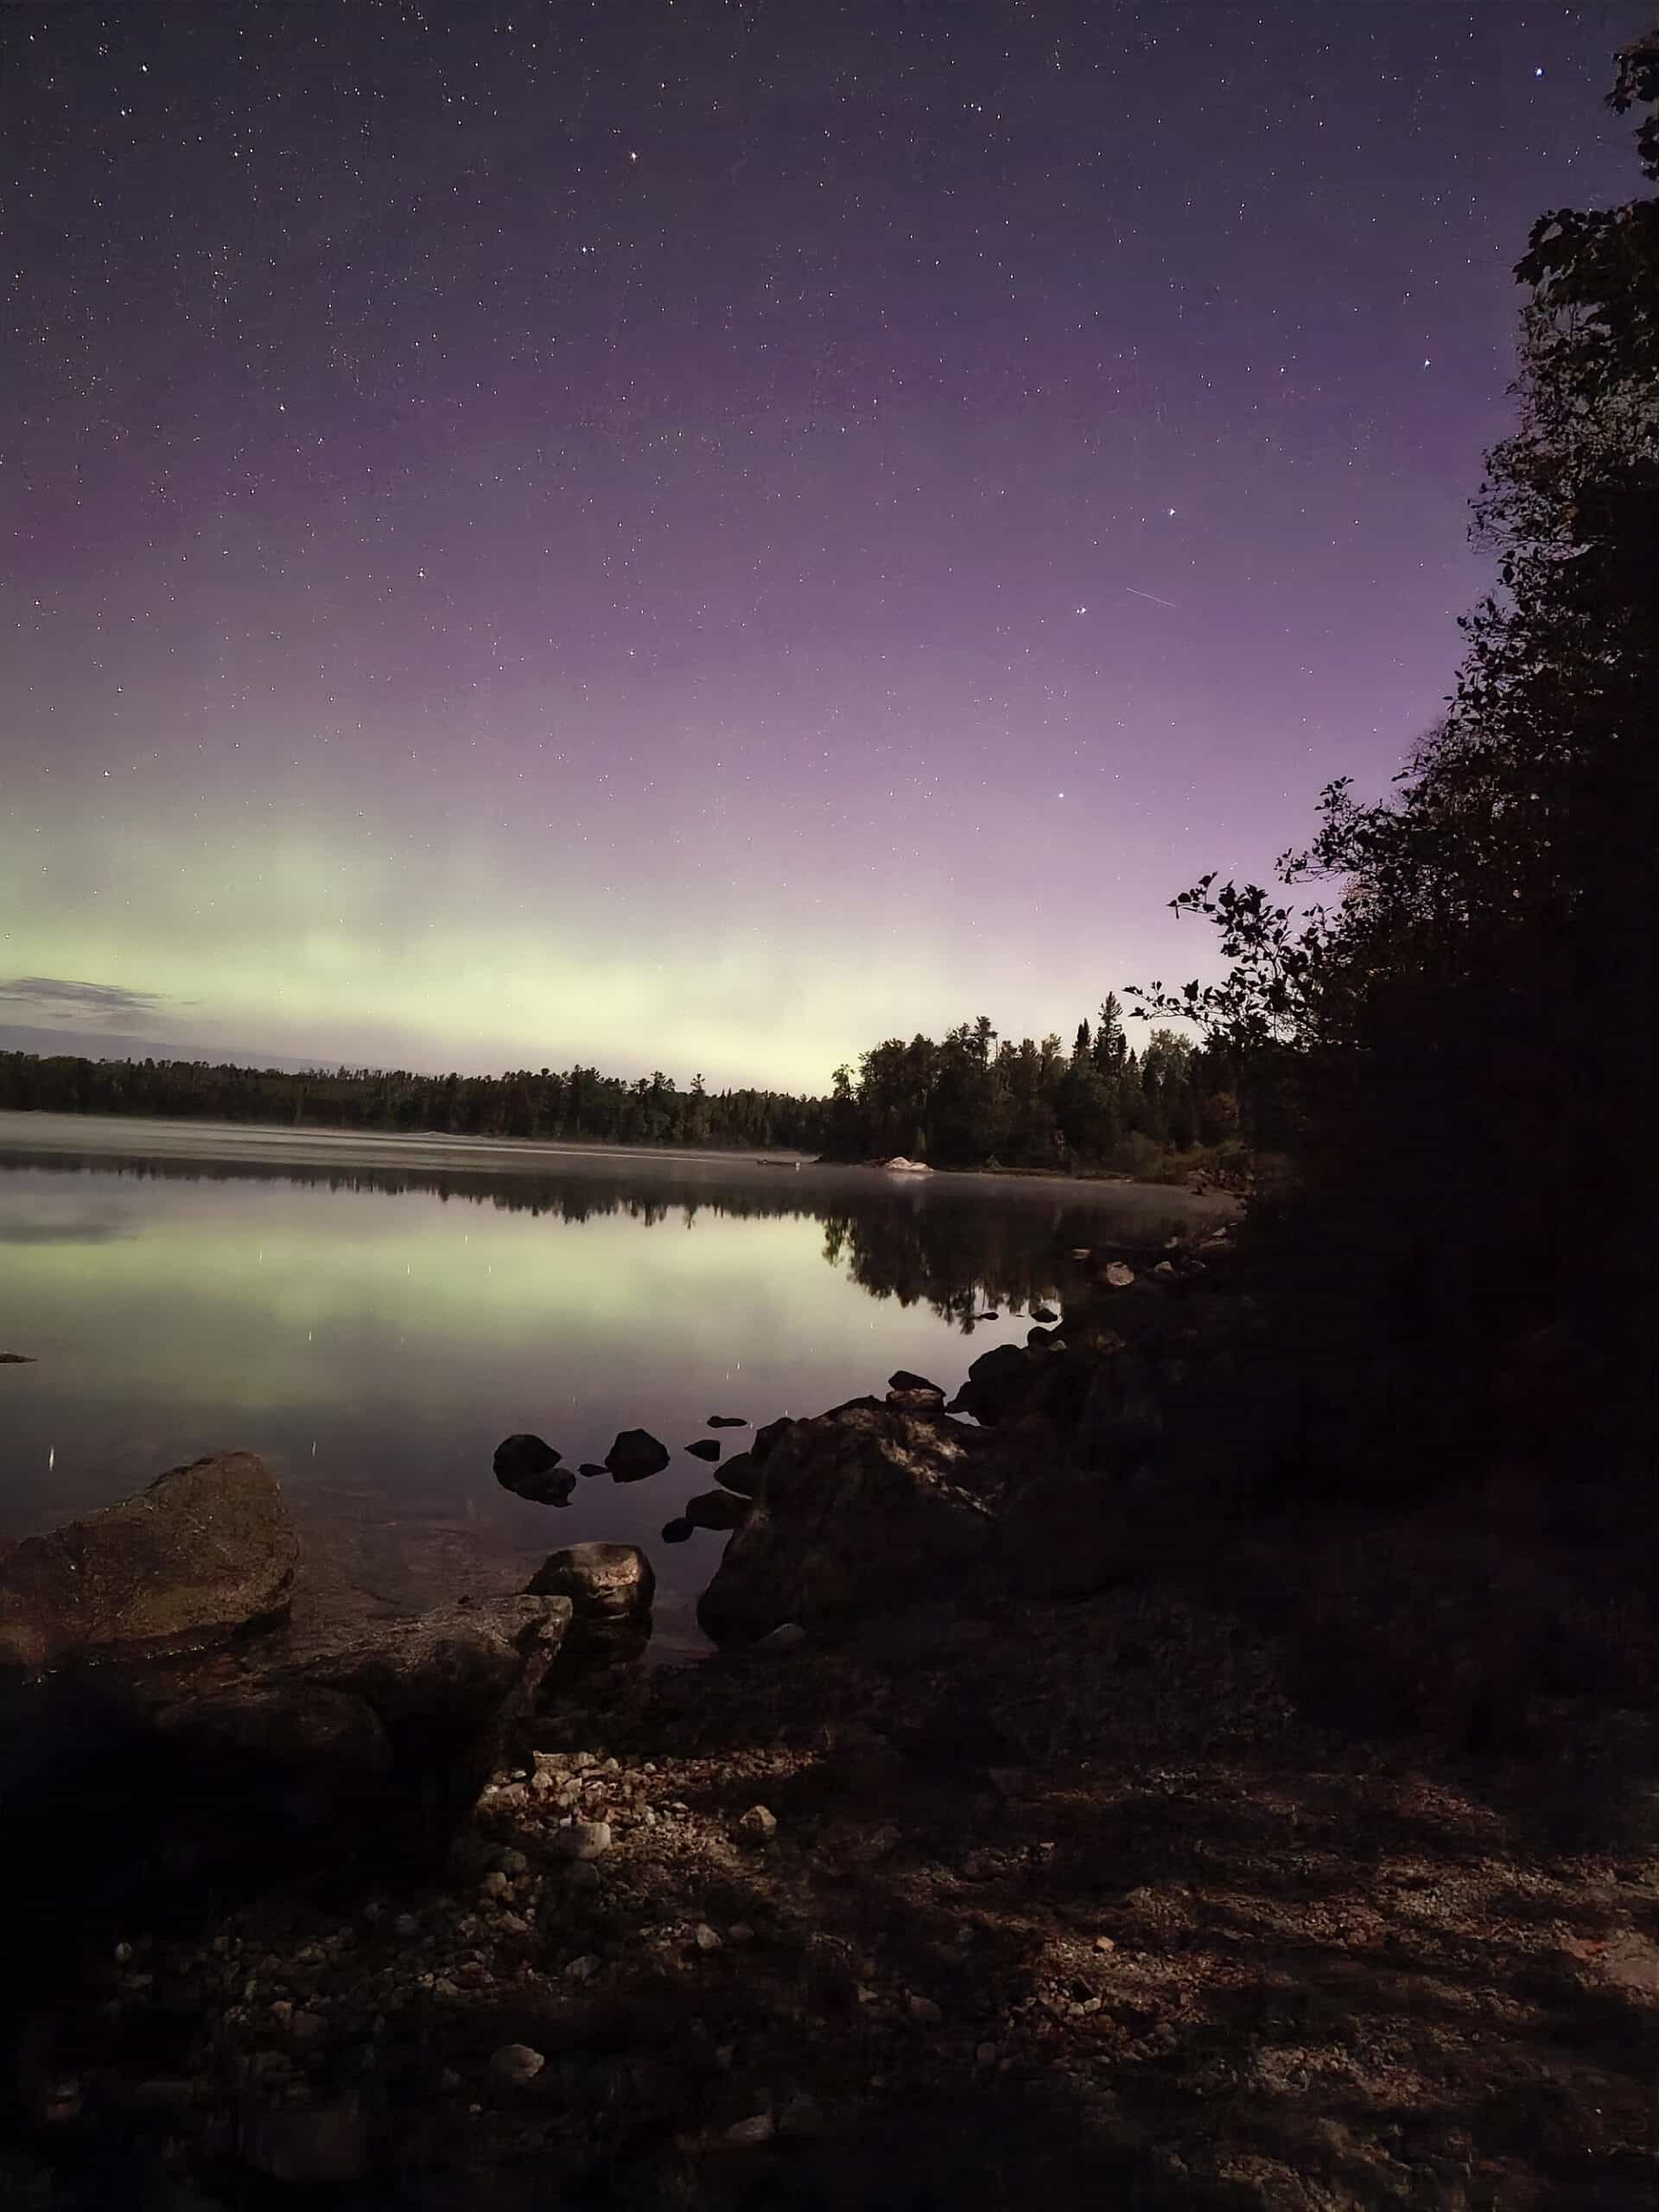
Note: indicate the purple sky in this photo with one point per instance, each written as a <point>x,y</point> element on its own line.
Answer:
<point>704,536</point>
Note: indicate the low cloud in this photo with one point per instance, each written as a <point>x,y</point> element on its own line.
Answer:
<point>55,998</point>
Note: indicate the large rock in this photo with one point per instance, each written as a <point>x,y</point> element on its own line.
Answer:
<point>999,1383</point>
<point>861,1508</point>
<point>206,1553</point>
<point>610,1587</point>
<point>1120,1424</point>
<point>121,1784</point>
<point>448,1688</point>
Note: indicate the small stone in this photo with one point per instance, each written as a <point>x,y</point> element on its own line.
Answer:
<point>495,1885</point>
<point>584,1969</point>
<point>511,1862</point>
<point>784,1637</point>
<point>123,1955</point>
<point>705,1937</point>
<point>449,2081</point>
<point>706,1447</point>
<point>581,1874</point>
<point>801,2115</point>
<point>1104,1943</point>
<point>985,2053</point>
<point>516,2061</point>
<point>1119,1276</point>
<point>586,1839</point>
<point>740,1933</point>
<point>405,1924</point>
<point>677,1531</point>
<point>282,2011</point>
<point>926,2011</point>
<point>758,1824</point>
<point>750,2133</point>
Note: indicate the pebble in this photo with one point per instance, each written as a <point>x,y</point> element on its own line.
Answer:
<point>581,1874</point>
<point>757,1824</point>
<point>985,2053</point>
<point>583,1969</point>
<point>705,1937</point>
<point>586,1839</point>
<point>123,1955</point>
<point>511,1862</point>
<point>516,2061</point>
<point>495,1885</point>
<point>1104,1943</point>
<point>755,2131</point>
<point>1119,1276</point>
<point>405,1924</point>
<point>923,2009</point>
<point>740,1932</point>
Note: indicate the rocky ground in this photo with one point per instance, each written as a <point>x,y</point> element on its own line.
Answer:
<point>1301,1866</point>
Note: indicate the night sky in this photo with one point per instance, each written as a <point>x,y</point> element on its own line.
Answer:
<point>701,537</point>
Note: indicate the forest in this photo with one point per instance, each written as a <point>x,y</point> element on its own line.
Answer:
<point>1463,1036</point>
<point>972,1101</point>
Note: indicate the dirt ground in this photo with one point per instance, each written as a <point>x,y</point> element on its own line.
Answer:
<point>1070,1900</point>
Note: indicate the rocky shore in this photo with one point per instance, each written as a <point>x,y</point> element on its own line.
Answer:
<point>1056,1818</point>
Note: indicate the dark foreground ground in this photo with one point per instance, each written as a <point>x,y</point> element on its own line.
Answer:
<point>1197,1892</point>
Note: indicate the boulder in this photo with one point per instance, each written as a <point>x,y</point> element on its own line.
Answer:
<point>998,1385</point>
<point>862,1507</point>
<point>635,1454</point>
<point>706,1447</point>
<point>716,1508</point>
<point>529,1468</point>
<point>766,1437</point>
<point>206,1553</point>
<point>449,1687</point>
<point>611,1587</point>
<point>739,1475</point>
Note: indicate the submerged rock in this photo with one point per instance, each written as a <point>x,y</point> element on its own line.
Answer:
<point>529,1468</point>
<point>716,1508</point>
<point>635,1454</point>
<point>863,1507</point>
<point>204,1552</point>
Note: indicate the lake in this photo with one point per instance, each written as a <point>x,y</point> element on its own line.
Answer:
<point>372,1315</point>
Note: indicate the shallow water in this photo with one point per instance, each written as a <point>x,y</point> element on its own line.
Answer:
<point>373,1316</point>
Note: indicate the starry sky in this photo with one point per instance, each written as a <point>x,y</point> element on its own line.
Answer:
<point>701,535</point>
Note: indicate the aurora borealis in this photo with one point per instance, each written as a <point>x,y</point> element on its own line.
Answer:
<point>703,536</point>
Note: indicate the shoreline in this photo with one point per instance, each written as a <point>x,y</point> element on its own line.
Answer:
<point>118,1137</point>
<point>1139,1885</point>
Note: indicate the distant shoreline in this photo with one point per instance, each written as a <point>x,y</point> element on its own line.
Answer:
<point>132,1137</point>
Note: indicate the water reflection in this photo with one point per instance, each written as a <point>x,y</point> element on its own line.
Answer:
<point>956,1245</point>
<point>374,1331</point>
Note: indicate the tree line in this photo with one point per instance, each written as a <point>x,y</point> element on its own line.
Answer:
<point>977,1100</point>
<point>1464,1034</point>
<point>578,1105</point>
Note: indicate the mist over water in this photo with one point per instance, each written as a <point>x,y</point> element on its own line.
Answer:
<point>372,1323</point>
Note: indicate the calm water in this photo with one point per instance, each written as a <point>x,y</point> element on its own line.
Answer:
<point>372,1317</point>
